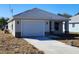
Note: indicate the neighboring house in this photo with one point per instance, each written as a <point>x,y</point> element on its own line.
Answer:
<point>37,22</point>
<point>74,24</point>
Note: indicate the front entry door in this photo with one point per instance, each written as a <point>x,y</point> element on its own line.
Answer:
<point>56,26</point>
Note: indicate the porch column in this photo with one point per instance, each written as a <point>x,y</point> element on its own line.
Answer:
<point>66,26</point>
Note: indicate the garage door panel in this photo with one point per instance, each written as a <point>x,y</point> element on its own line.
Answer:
<point>33,28</point>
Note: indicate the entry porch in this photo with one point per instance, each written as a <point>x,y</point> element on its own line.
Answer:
<point>57,27</point>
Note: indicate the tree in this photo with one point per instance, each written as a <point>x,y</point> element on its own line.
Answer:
<point>65,15</point>
<point>3,22</point>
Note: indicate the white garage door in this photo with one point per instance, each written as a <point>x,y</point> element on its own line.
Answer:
<point>32,28</point>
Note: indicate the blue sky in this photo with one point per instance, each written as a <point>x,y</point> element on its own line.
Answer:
<point>54,8</point>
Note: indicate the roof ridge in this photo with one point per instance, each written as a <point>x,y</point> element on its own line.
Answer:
<point>22,12</point>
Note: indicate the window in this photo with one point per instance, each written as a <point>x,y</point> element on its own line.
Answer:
<point>56,26</point>
<point>12,26</point>
<point>17,22</point>
<point>73,25</point>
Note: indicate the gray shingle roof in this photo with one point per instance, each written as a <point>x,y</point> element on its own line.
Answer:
<point>74,19</point>
<point>37,13</point>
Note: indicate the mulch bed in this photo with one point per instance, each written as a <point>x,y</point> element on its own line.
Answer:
<point>68,38</point>
<point>71,39</point>
<point>71,42</point>
<point>12,45</point>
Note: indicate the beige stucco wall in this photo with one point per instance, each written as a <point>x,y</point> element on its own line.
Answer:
<point>74,28</point>
<point>18,26</point>
<point>46,26</point>
<point>10,27</point>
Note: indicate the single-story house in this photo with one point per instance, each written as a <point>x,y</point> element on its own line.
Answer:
<point>74,24</point>
<point>37,22</point>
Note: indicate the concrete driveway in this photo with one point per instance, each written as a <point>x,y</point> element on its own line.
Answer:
<point>52,46</point>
